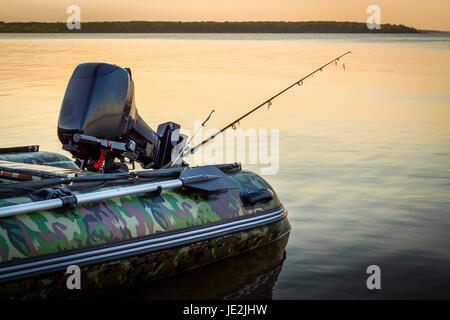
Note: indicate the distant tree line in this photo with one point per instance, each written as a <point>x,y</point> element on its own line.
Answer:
<point>204,27</point>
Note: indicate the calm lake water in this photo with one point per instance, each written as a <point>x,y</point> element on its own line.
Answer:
<point>364,154</point>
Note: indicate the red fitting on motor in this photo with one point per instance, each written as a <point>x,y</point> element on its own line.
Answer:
<point>99,163</point>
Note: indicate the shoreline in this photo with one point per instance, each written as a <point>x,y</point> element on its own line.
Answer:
<point>205,27</point>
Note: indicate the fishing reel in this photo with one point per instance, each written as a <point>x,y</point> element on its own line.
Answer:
<point>100,126</point>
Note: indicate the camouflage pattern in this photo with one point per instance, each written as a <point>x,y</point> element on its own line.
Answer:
<point>26,166</point>
<point>41,233</point>
<point>248,275</point>
<point>40,158</point>
<point>101,278</point>
<point>118,219</point>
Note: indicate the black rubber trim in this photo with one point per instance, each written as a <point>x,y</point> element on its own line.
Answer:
<point>69,201</point>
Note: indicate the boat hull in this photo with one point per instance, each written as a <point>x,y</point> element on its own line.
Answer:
<point>98,277</point>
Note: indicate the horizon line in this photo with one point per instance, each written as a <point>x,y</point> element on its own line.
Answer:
<point>224,21</point>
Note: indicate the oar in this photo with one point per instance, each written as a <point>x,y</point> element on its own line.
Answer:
<point>207,178</point>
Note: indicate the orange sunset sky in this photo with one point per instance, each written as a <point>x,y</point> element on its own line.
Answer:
<point>430,14</point>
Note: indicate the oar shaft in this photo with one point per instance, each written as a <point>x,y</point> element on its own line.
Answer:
<point>88,197</point>
<point>127,191</point>
<point>30,207</point>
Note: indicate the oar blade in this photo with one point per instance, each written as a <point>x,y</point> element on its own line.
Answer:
<point>218,181</point>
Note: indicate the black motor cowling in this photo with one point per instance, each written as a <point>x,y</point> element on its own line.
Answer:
<point>99,102</point>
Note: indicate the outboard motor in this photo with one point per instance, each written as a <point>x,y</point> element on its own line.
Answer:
<point>99,122</point>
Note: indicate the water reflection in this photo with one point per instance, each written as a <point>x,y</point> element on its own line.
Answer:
<point>364,153</point>
<point>251,275</point>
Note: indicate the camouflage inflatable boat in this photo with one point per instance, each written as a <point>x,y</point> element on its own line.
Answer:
<point>71,228</point>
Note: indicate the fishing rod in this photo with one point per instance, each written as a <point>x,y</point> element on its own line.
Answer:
<point>268,101</point>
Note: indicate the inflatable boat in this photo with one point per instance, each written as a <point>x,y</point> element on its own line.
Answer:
<point>127,208</point>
